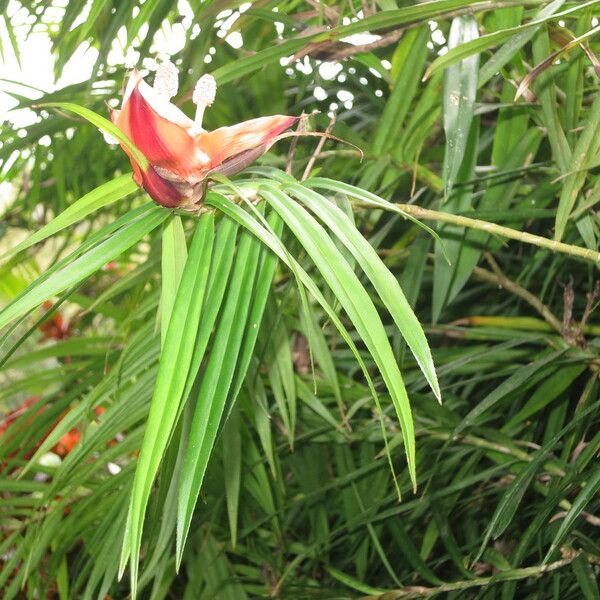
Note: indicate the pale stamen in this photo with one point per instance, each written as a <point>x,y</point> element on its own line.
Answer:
<point>166,81</point>
<point>204,95</point>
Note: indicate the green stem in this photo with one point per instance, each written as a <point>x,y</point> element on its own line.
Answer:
<point>493,228</point>
<point>510,575</point>
<point>522,323</point>
<point>478,442</point>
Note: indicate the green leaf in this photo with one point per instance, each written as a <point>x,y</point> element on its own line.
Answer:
<point>591,487</point>
<point>407,14</point>
<point>264,281</point>
<point>102,124</point>
<point>547,95</point>
<point>170,383</point>
<point>477,45</point>
<point>83,266</point>
<point>460,90</point>
<point>586,578</point>
<point>274,243</point>
<point>216,382</point>
<point>174,256</point>
<point>497,195</point>
<point>448,279</point>
<point>587,145</point>
<point>411,54</point>
<point>366,197</point>
<point>102,196</point>
<point>512,497</point>
<point>355,301</point>
<point>232,467</point>
<point>220,272</point>
<point>381,20</point>
<point>546,393</point>
<point>385,283</point>
<point>248,64</point>
<point>521,376</point>
<point>352,583</point>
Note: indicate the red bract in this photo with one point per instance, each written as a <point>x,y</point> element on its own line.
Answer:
<point>9,422</point>
<point>55,327</point>
<point>181,155</point>
<point>65,444</point>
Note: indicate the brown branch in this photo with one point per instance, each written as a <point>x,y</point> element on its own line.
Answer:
<point>591,298</point>
<point>313,158</point>
<point>290,157</point>
<point>337,50</point>
<point>331,13</point>
<point>498,278</point>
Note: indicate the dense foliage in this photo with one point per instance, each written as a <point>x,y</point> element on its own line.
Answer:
<point>239,402</point>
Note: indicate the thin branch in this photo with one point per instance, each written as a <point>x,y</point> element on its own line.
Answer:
<point>338,50</point>
<point>290,157</point>
<point>311,160</point>
<point>498,278</point>
<point>591,299</point>
<point>478,442</point>
<point>493,228</point>
<point>419,591</point>
<point>569,326</point>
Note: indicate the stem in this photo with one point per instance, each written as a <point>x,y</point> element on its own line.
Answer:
<point>200,108</point>
<point>512,575</point>
<point>478,442</point>
<point>311,161</point>
<point>513,234</point>
<point>522,323</point>
<point>531,299</point>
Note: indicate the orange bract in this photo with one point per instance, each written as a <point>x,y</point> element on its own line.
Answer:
<point>181,154</point>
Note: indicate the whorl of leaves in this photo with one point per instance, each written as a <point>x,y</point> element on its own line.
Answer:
<point>245,401</point>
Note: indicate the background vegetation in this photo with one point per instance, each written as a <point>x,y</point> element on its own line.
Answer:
<point>281,359</point>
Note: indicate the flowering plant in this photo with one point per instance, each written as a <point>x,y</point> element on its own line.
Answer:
<point>181,154</point>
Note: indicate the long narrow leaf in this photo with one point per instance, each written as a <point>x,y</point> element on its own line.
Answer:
<point>385,283</point>
<point>84,265</point>
<point>170,383</point>
<point>102,196</point>
<point>355,301</point>
<point>216,383</point>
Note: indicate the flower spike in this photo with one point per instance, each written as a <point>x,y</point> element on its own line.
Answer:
<point>181,156</point>
<point>204,95</point>
<point>166,81</point>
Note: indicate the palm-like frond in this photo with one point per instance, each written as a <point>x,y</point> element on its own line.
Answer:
<point>232,401</point>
